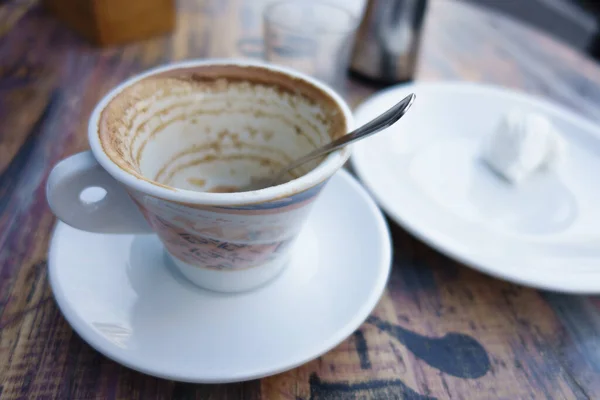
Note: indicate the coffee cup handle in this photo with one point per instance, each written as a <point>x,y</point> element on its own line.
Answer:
<point>66,194</point>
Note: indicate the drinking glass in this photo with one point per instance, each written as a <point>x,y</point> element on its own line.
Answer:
<point>313,37</point>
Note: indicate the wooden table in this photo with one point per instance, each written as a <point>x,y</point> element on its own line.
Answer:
<point>441,329</point>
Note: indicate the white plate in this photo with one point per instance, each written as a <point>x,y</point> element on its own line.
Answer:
<point>121,295</point>
<point>426,173</point>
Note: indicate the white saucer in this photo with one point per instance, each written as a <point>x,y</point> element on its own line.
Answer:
<point>121,295</point>
<point>426,173</point>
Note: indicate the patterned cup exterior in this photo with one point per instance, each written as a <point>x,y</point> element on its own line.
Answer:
<point>228,238</point>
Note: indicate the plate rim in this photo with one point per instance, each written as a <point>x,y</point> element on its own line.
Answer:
<point>102,346</point>
<point>438,239</point>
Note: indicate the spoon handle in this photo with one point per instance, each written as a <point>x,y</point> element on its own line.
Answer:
<point>383,121</point>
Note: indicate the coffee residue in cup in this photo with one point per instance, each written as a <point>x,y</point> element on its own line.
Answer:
<point>201,183</point>
<point>197,182</point>
<point>200,122</point>
<point>224,189</point>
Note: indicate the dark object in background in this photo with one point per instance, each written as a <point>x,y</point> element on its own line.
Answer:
<point>387,42</point>
<point>109,22</point>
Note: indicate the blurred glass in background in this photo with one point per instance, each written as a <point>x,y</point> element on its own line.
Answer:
<point>311,36</point>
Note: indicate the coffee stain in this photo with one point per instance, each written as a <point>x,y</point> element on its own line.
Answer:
<point>233,157</point>
<point>455,354</point>
<point>256,113</point>
<point>268,135</point>
<point>224,189</point>
<point>218,147</point>
<point>160,128</point>
<point>223,134</point>
<point>197,182</point>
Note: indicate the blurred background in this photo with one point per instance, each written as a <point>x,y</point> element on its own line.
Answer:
<point>572,21</point>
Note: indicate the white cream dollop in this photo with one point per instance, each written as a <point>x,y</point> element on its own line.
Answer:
<point>522,144</point>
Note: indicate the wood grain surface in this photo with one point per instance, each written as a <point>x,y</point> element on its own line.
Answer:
<point>441,330</point>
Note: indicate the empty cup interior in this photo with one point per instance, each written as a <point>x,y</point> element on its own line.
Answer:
<point>214,128</point>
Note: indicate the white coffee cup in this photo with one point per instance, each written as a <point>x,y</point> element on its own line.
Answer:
<point>163,140</point>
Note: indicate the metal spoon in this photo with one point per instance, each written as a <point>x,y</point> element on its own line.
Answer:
<point>383,121</point>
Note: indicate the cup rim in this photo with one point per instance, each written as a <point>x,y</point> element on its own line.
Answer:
<point>318,175</point>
